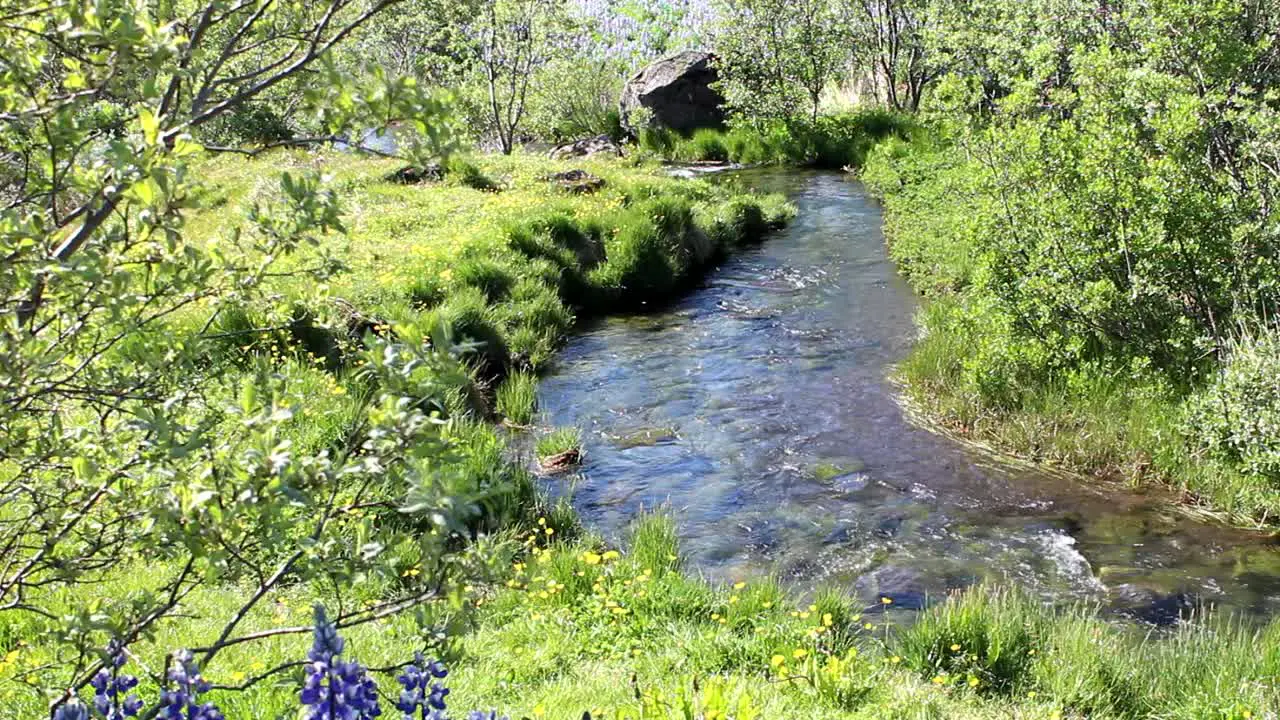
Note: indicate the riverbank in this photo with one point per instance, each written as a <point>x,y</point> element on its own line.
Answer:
<point>993,368</point>
<point>462,282</point>
<point>568,627</point>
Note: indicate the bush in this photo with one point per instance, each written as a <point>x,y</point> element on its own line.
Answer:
<point>252,124</point>
<point>1236,419</point>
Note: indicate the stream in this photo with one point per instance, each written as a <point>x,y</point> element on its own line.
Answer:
<point>759,412</point>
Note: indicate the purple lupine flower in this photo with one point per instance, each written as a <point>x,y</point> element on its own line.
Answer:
<point>111,698</point>
<point>420,693</point>
<point>482,715</point>
<point>71,710</point>
<point>334,689</point>
<point>183,701</point>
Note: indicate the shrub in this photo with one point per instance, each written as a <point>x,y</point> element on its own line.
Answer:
<point>1236,419</point>
<point>253,124</point>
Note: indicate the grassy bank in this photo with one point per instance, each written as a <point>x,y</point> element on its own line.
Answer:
<point>497,251</point>
<point>1014,360</point>
<point>574,626</point>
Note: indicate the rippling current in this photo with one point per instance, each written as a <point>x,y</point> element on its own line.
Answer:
<point>759,412</point>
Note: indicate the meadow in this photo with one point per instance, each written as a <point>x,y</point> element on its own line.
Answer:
<point>542,619</point>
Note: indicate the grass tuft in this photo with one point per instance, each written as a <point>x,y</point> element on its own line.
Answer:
<point>559,441</point>
<point>518,398</point>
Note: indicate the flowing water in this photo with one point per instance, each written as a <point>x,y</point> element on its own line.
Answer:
<point>759,412</point>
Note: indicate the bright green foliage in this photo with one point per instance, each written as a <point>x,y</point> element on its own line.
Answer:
<point>988,636</point>
<point>1237,417</point>
<point>831,142</point>
<point>624,634</point>
<point>158,410</point>
<point>244,371</point>
<point>1098,214</point>
<point>777,56</point>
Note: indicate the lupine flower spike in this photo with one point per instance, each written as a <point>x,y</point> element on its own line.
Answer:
<point>335,689</point>
<point>422,698</point>
<point>182,702</point>
<point>112,699</point>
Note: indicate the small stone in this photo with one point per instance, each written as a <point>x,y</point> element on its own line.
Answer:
<point>578,182</point>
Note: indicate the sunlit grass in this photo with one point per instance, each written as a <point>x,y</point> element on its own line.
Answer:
<point>559,441</point>
<point>517,398</point>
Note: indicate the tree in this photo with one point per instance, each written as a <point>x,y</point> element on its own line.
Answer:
<point>129,437</point>
<point>892,35</point>
<point>511,40</point>
<point>423,39</point>
<point>777,56</point>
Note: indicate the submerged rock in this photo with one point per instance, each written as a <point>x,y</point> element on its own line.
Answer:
<point>561,462</point>
<point>1153,605</point>
<point>645,437</point>
<point>676,92</point>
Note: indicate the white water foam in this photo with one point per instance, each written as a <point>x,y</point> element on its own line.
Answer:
<point>1061,549</point>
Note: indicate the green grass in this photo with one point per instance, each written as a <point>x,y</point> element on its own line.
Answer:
<point>518,398</point>
<point>560,440</point>
<point>569,624</point>
<point>574,630</point>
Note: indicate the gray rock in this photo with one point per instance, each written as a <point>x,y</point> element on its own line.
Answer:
<point>677,92</point>
<point>412,174</point>
<point>579,182</point>
<point>585,148</point>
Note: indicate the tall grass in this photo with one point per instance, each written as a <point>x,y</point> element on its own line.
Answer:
<point>518,398</point>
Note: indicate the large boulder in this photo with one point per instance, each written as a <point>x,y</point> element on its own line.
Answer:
<point>677,92</point>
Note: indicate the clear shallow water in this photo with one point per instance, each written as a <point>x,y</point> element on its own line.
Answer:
<point>758,411</point>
